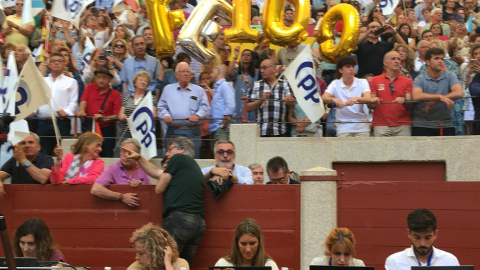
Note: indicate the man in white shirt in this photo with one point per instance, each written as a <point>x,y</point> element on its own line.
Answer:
<point>63,103</point>
<point>422,48</point>
<point>422,231</point>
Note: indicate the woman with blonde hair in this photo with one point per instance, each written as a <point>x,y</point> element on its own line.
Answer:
<point>339,249</point>
<point>141,80</point>
<point>407,60</point>
<point>248,247</point>
<point>83,165</point>
<point>155,250</point>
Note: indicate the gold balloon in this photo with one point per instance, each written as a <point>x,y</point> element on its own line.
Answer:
<point>275,29</point>
<point>196,27</point>
<point>241,30</point>
<point>163,22</point>
<point>351,25</point>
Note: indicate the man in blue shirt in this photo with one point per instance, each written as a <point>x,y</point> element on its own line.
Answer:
<point>225,158</point>
<point>141,61</point>
<point>181,106</point>
<point>223,105</point>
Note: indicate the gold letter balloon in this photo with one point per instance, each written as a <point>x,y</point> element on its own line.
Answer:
<point>200,24</point>
<point>275,29</point>
<point>241,30</point>
<point>163,22</point>
<point>351,24</point>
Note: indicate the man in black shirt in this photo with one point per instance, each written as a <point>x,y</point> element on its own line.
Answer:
<point>28,165</point>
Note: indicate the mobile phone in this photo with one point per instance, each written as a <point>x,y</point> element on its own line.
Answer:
<point>380,31</point>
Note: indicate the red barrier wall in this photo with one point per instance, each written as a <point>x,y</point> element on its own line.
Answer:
<point>95,232</point>
<point>376,211</point>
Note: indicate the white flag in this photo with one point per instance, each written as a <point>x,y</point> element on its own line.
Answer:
<point>26,12</point>
<point>32,90</point>
<point>9,83</point>
<point>142,126</point>
<point>70,10</point>
<point>87,52</point>
<point>18,131</point>
<point>302,78</point>
<point>388,6</point>
<point>8,3</point>
<point>6,152</point>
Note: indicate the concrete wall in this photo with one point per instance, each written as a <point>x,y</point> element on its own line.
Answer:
<point>459,153</point>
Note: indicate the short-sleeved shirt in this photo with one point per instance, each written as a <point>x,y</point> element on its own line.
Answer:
<point>439,114</point>
<point>19,174</point>
<point>350,119</point>
<point>405,259</point>
<point>95,100</point>
<point>17,38</point>
<point>391,115</point>
<point>115,174</point>
<point>132,66</point>
<point>186,189</point>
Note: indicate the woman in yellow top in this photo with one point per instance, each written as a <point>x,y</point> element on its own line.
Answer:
<point>155,250</point>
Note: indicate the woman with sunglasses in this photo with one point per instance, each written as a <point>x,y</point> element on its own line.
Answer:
<point>375,15</point>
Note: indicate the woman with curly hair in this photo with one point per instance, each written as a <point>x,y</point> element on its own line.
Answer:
<point>248,247</point>
<point>33,239</point>
<point>407,60</point>
<point>339,249</point>
<point>155,250</point>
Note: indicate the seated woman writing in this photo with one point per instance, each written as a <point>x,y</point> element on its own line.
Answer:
<point>248,247</point>
<point>339,249</point>
<point>155,250</point>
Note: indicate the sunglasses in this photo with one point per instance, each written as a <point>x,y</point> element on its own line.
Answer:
<point>119,46</point>
<point>392,88</point>
<point>228,152</point>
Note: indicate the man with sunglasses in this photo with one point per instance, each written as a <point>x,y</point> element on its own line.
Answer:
<point>392,116</point>
<point>13,30</point>
<point>225,158</point>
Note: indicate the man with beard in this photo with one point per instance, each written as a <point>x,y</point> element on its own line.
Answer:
<point>422,231</point>
<point>225,158</point>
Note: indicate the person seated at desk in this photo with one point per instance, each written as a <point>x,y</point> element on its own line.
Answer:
<point>28,165</point>
<point>248,247</point>
<point>155,250</point>
<point>33,239</point>
<point>339,249</point>
<point>126,171</point>
<point>83,166</point>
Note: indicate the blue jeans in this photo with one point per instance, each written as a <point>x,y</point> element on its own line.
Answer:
<point>193,134</point>
<point>187,230</point>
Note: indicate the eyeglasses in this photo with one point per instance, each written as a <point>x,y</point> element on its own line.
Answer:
<point>264,67</point>
<point>246,54</point>
<point>184,71</point>
<point>278,179</point>
<point>392,88</point>
<point>377,10</point>
<point>119,46</point>
<point>56,61</point>
<point>373,26</point>
<point>222,152</point>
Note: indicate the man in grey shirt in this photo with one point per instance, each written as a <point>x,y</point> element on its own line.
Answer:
<point>435,90</point>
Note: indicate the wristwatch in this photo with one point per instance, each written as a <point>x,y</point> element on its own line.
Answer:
<point>27,164</point>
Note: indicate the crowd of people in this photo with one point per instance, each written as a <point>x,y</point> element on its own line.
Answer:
<point>156,248</point>
<point>386,87</point>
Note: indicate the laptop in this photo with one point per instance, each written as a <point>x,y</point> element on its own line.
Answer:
<point>460,267</point>
<point>331,267</point>
<point>240,267</point>
<point>21,262</point>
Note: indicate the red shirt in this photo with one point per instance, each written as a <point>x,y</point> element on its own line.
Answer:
<point>95,100</point>
<point>391,115</point>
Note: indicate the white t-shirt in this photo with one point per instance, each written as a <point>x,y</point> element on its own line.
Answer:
<point>405,259</point>
<point>356,116</point>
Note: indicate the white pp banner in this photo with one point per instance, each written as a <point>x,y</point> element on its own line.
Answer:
<point>388,6</point>
<point>142,126</point>
<point>301,76</point>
